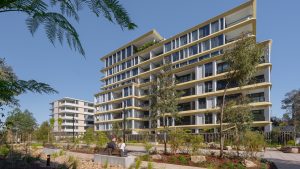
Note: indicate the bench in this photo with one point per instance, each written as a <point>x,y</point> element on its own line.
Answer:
<point>108,151</point>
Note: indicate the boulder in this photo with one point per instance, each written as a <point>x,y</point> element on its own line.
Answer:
<point>156,157</point>
<point>229,148</point>
<point>198,159</point>
<point>249,164</point>
<point>294,150</point>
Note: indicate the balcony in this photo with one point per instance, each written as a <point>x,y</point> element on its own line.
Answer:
<point>186,106</point>
<point>185,78</point>
<point>238,21</point>
<point>187,92</point>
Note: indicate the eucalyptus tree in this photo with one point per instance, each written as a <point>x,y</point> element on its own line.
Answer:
<point>242,58</point>
<point>291,103</point>
<point>59,123</point>
<point>57,23</point>
<point>163,99</point>
<point>51,122</point>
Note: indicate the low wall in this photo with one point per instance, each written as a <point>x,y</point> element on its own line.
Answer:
<point>114,160</point>
<point>50,151</point>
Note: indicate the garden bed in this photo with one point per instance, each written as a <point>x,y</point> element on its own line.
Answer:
<point>211,162</point>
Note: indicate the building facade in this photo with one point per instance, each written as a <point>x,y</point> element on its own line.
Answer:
<point>196,56</point>
<point>75,114</point>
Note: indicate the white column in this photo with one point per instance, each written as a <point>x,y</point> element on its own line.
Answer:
<point>214,67</point>
<point>214,118</point>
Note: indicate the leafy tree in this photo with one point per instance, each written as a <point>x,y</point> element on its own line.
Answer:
<point>42,132</point>
<point>51,122</point>
<point>101,138</point>
<point>88,136</point>
<point>291,103</point>
<point>11,87</point>
<point>242,59</point>
<point>59,122</point>
<point>177,139</point>
<point>238,116</point>
<point>253,143</point>
<point>22,122</point>
<point>163,98</point>
<point>56,24</point>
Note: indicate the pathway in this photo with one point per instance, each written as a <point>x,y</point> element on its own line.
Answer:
<point>283,160</point>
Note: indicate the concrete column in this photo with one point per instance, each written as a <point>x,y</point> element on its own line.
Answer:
<point>214,67</point>
<point>214,85</point>
<point>214,118</point>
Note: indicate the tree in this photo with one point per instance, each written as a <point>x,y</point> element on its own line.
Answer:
<point>22,123</point>
<point>291,103</point>
<point>242,59</point>
<point>59,122</point>
<point>11,87</point>
<point>51,121</point>
<point>238,116</point>
<point>56,24</point>
<point>163,98</point>
<point>42,132</point>
<point>101,138</point>
<point>88,136</point>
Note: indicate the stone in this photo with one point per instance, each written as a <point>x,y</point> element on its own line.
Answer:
<point>156,157</point>
<point>293,150</point>
<point>249,164</point>
<point>198,159</point>
<point>229,148</point>
<point>125,162</point>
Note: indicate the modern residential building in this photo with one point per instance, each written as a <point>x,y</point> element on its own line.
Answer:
<point>196,56</point>
<point>75,114</point>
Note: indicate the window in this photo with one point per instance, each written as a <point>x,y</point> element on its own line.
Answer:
<point>217,41</point>
<point>205,45</point>
<point>215,26</point>
<point>208,118</point>
<point>114,58</point>
<point>258,115</point>
<point>128,63</point>
<point>167,47</point>
<point>123,65</point>
<point>129,51</point>
<point>119,56</point>
<point>216,53</point>
<point>183,40</point>
<point>193,50</point>
<point>202,103</point>
<point>193,61</point>
<point>134,71</point>
<point>257,97</point>
<point>204,57</point>
<point>123,54</point>
<point>194,35</point>
<point>222,67</point>
<point>136,60</point>
<point>208,86</point>
<point>204,31</point>
<point>222,23</point>
<point>183,53</point>
<point>208,69</point>
<point>175,56</point>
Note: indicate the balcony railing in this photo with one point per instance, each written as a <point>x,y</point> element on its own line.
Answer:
<point>238,21</point>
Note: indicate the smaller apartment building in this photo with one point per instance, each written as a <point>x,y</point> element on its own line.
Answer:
<point>75,114</point>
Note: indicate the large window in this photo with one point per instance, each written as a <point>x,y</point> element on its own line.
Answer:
<point>257,97</point>
<point>204,31</point>
<point>123,54</point>
<point>205,45</point>
<point>202,103</point>
<point>175,56</point>
<point>222,67</point>
<point>134,71</point>
<point>217,41</point>
<point>215,26</point>
<point>183,40</point>
<point>129,51</point>
<point>258,115</point>
<point>208,118</point>
<point>193,50</point>
<point>194,35</point>
<point>208,86</point>
<point>167,47</point>
<point>128,63</point>
<point>208,69</point>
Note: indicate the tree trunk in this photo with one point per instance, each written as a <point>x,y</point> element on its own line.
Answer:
<point>221,122</point>
<point>165,135</point>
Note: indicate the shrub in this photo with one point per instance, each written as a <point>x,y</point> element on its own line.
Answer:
<point>196,143</point>
<point>176,139</point>
<point>72,162</point>
<point>101,138</point>
<point>148,146</point>
<point>182,159</point>
<point>138,163</point>
<point>4,150</point>
<point>150,165</point>
<point>291,143</point>
<point>253,142</point>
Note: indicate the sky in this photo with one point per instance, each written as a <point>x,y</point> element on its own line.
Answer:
<point>34,57</point>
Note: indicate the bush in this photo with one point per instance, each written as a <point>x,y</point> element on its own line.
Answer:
<point>196,143</point>
<point>253,142</point>
<point>4,150</point>
<point>148,146</point>
<point>101,139</point>
<point>176,139</point>
<point>182,160</point>
<point>291,143</point>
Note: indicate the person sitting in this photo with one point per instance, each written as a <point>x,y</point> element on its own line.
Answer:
<point>111,146</point>
<point>122,146</point>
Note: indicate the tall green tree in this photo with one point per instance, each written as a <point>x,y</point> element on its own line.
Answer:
<point>22,123</point>
<point>59,123</point>
<point>163,98</point>
<point>88,136</point>
<point>42,132</point>
<point>238,116</point>
<point>51,122</point>
<point>56,22</point>
<point>242,58</point>
<point>291,104</point>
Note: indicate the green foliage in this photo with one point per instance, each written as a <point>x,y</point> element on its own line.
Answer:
<point>56,24</point>
<point>148,146</point>
<point>106,164</point>
<point>182,159</point>
<point>146,45</point>
<point>291,103</point>
<point>4,150</point>
<point>291,143</point>
<point>253,142</point>
<point>101,138</point>
<point>116,129</point>
<point>88,136</point>
<point>150,165</point>
<point>72,162</point>
<point>42,133</point>
<point>176,139</point>
<point>196,142</point>
<point>138,163</point>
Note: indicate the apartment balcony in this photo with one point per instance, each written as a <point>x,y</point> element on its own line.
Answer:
<point>186,106</point>
<point>237,21</point>
<point>185,78</point>
<point>239,16</point>
<point>146,80</point>
<point>117,106</point>
<point>187,92</point>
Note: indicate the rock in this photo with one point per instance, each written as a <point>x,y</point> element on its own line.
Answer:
<point>249,164</point>
<point>229,148</point>
<point>293,150</point>
<point>198,159</point>
<point>156,157</point>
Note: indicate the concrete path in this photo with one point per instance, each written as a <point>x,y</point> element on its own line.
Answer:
<point>283,160</point>
<point>167,166</point>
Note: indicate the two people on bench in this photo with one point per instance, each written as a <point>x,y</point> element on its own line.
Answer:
<point>111,146</point>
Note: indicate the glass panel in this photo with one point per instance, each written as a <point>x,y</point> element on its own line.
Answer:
<point>167,47</point>
<point>193,50</point>
<point>183,40</point>
<point>208,69</point>
<point>205,45</point>
<point>204,31</point>
<point>194,35</point>
<point>215,26</point>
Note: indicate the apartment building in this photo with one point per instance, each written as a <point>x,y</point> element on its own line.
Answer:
<point>75,114</point>
<point>196,56</point>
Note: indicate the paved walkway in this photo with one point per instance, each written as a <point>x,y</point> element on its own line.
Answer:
<point>167,166</point>
<point>283,160</point>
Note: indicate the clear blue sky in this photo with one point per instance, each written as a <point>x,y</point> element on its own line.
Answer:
<point>74,76</point>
